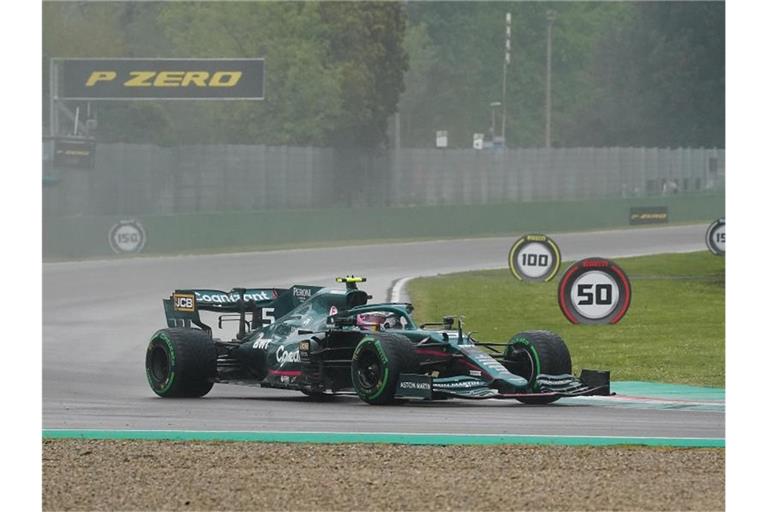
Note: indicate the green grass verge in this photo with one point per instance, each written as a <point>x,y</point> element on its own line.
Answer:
<point>674,330</point>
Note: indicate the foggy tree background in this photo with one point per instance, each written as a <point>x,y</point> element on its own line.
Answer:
<point>624,74</point>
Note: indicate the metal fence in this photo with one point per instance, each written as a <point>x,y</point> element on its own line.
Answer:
<point>144,179</point>
<point>479,177</point>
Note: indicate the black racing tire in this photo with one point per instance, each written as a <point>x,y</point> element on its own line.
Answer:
<point>532,353</point>
<point>377,363</point>
<point>181,363</point>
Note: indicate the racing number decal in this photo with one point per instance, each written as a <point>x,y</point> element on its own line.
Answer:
<point>266,316</point>
<point>534,258</point>
<point>715,237</point>
<point>594,291</point>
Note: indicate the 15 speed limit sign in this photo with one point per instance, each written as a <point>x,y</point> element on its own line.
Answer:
<point>127,236</point>
<point>716,237</point>
<point>534,258</point>
<point>594,291</point>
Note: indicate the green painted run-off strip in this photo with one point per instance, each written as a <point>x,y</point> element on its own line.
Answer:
<point>669,391</point>
<point>390,438</point>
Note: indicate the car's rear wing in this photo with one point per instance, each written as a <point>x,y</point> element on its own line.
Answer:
<point>265,305</point>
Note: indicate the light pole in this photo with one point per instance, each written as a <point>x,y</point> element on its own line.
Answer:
<point>507,47</point>
<point>551,15</point>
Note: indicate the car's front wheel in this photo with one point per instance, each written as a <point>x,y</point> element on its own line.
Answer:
<point>180,363</point>
<point>532,353</point>
<point>377,363</point>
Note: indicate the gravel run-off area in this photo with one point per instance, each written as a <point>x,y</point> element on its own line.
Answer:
<point>162,475</point>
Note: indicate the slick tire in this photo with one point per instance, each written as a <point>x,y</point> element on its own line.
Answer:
<point>181,363</point>
<point>377,363</point>
<point>531,353</point>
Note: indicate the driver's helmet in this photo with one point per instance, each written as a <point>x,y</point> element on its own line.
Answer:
<point>372,321</point>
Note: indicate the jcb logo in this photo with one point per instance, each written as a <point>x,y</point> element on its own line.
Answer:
<point>168,78</point>
<point>184,302</point>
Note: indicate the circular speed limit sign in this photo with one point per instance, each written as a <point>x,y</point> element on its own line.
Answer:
<point>594,291</point>
<point>716,237</point>
<point>534,258</point>
<point>127,236</point>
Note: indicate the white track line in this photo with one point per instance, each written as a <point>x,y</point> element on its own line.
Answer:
<point>396,293</point>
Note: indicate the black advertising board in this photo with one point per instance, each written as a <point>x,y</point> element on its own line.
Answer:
<point>160,79</point>
<point>649,215</point>
<point>74,153</point>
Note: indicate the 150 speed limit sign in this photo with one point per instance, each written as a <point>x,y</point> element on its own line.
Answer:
<point>594,291</point>
<point>716,237</point>
<point>534,258</point>
<point>127,236</point>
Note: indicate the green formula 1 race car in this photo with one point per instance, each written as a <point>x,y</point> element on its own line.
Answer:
<point>322,341</point>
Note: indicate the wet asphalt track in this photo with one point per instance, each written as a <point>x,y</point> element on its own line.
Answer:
<point>98,316</point>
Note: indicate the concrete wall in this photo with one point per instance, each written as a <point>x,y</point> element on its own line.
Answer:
<point>87,236</point>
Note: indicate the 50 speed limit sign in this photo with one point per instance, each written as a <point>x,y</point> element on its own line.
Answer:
<point>594,291</point>
<point>127,236</point>
<point>716,237</point>
<point>534,258</point>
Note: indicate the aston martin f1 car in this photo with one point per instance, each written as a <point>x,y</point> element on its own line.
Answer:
<point>324,341</point>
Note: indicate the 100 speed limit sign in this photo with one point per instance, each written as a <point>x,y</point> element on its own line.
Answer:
<point>594,291</point>
<point>534,258</point>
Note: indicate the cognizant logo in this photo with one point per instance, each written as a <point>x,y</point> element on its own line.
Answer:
<point>283,356</point>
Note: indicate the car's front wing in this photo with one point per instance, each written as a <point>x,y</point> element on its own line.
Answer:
<point>425,387</point>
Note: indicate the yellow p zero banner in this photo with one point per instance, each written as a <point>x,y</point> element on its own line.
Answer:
<point>159,79</point>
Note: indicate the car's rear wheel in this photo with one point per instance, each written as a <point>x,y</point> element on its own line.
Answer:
<point>377,363</point>
<point>180,363</point>
<point>532,353</point>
